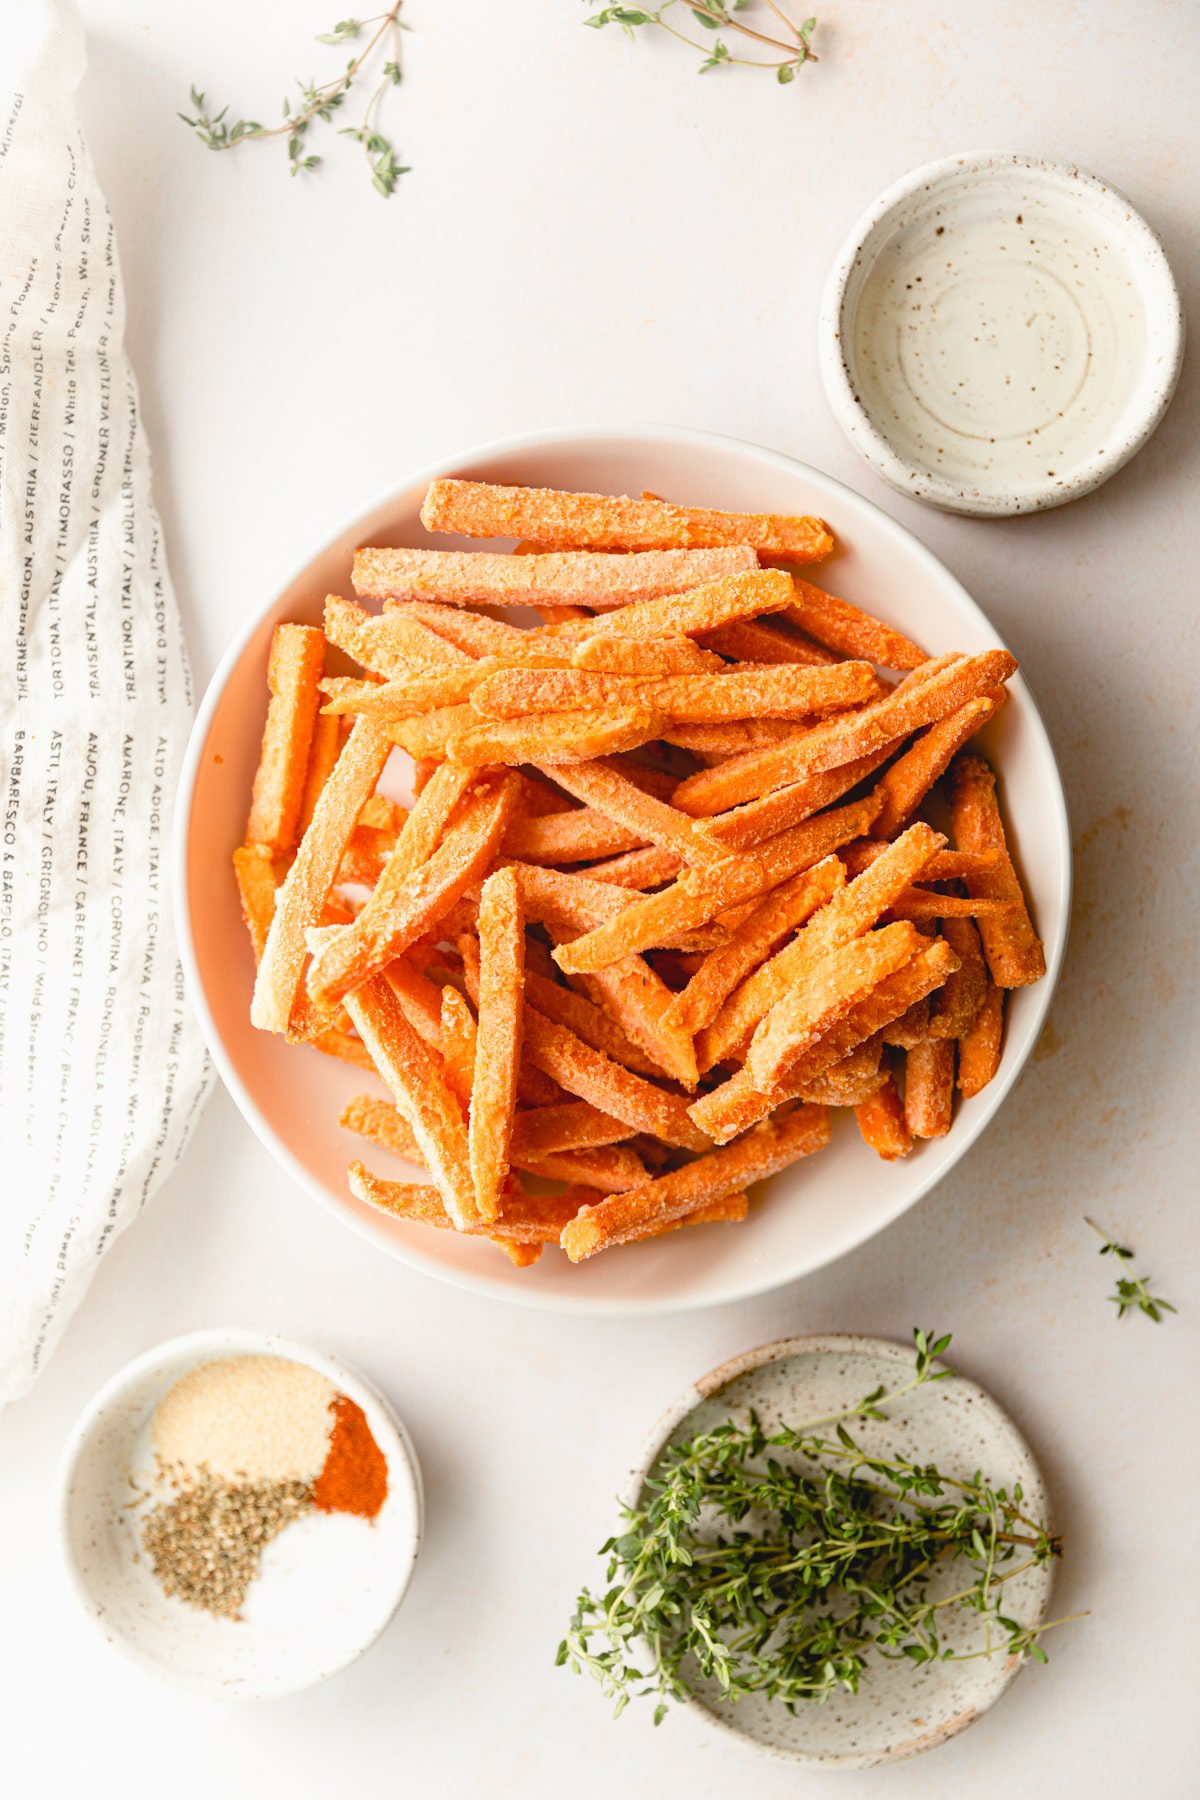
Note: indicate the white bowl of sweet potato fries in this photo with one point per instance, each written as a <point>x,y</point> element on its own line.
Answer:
<point>655,898</point>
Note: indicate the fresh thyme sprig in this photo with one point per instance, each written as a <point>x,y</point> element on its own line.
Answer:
<point>716,15</point>
<point>1132,1292</point>
<point>319,101</point>
<point>784,1577</point>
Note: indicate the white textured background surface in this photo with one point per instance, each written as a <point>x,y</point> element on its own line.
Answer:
<point>591,232</point>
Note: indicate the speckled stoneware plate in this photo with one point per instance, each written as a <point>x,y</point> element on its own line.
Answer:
<point>900,1709</point>
<point>329,1585</point>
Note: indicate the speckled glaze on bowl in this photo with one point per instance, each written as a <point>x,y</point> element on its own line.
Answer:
<point>330,1582</point>
<point>899,1709</point>
<point>945,190</point>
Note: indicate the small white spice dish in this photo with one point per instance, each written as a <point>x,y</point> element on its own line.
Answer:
<point>900,1709</point>
<point>330,1582</point>
<point>999,333</point>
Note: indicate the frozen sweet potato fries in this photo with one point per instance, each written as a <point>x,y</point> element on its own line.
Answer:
<point>667,895</point>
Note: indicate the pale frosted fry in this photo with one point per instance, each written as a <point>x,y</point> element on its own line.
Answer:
<point>566,737</point>
<point>294,667</point>
<point>850,1080</point>
<point>389,644</point>
<point>954,1010</point>
<point>567,837</point>
<point>606,787</point>
<point>255,875</point>
<point>849,630</point>
<point>314,869</point>
<point>605,521</point>
<point>638,869</point>
<point>758,820</point>
<point>419,690</point>
<point>760,934</point>
<point>912,1027</point>
<point>738,1103</point>
<point>421,1093</point>
<point>905,784</point>
<point>749,640</point>
<point>979,1049</point>
<point>498,1056</point>
<point>323,751</point>
<point>642,656</point>
<point>929,1087</point>
<point>760,1154</point>
<point>842,739</point>
<point>1010,943</point>
<point>689,614</point>
<point>882,1123</point>
<point>851,911</point>
<point>557,578</point>
<point>559,1053</point>
<point>767,692</point>
<point>459,1054</point>
<point>571,1125</point>
<point>699,894</point>
<point>401,909</point>
<point>822,997</point>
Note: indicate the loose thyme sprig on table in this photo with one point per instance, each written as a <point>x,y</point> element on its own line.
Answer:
<point>317,103</point>
<point>715,15</point>
<point>1132,1292</point>
<point>835,1571</point>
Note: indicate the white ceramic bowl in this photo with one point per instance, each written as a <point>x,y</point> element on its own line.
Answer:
<point>898,1711</point>
<point>330,1583</point>
<point>292,1097</point>
<point>939,198</point>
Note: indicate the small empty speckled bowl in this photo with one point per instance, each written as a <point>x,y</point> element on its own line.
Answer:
<point>1000,333</point>
<point>329,1584</point>
<point>900,1709</point>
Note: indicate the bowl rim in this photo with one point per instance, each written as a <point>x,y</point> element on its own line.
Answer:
<point>589,1305</point>
<point>1156,385</point>
<point>829,1343</point>
<point>404,1469</point>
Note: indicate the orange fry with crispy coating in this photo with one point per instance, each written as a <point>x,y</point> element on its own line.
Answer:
<point>388,644</point>
<point>849,630</point>
<point>954,1010</point>
<point>571,1125</point>
<point>929,1087</point>
<point>1010,943</point>
<point>323,751</point>
<point>882,1123</point>
<point>979,1048</point>
<point>559,578</point>
<point>639,869</point>
<point>606,788</point>
<point>294,667</point>
<point>609,655</point>
<point>905,784</point>
<point>758,820</point>
<point>498,1053</point>
<point>564,737</point>
<point>750,640</point>
<point>769,692</point>
<point>559,1053</point>
<point>603,521</point>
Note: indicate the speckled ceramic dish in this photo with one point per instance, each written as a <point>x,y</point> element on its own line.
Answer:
<point>999,333</point>
<point>329,1582</point>
<point>899,1710</point>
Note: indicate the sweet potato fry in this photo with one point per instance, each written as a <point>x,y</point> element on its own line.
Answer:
<point>688,614</point>
<point>460,1039</point>
<point>929,1087</point>
<point>882,1123</point>
<point>636,998</point>
<point>912,1027</point>
<point>607,1169</point>
<point>827,991</point>
<point>558,578</point>
<point>609,655</point>
<point>760,1154</point>
<point>905,784</point>
<point>714,743</point>
<point>770,692</point>
<point>699,894</point>
<point>849,630</point>
<point>602,521</point>
<point>919,903</point>
<point>759,936</point>
<point>954,1009</point>
<point>737,1103</point>
<point>850,1080</point>
<point>851,911</point>
<point>946,865</point>
<point>638,869</point>
<point>404,906</point>
<point>559,1053</point>
<point>299,901</point>
<point>419,690</point>
<point>565,737</point>
<point>323,751</point>
<point>297,658</point>
<point>588,1021</point>
<point>842,739</point>
<point>421,1093</point>
<point>758,820</point>
<point>388,644</point>
<point>571,1125</point>
<point>749,640</point>
<point>567,837</point>
<point>606,787</point>
<point>501,1006</point>
<point>472,634</point>
<point>979,1048</point>
<point>255,875</point>
<point>1010,943</point>
<point>527,1221</point>
<point>428,734</point>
